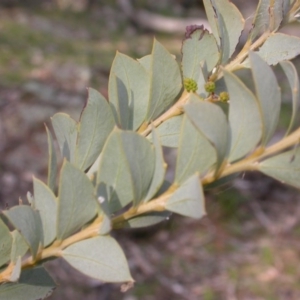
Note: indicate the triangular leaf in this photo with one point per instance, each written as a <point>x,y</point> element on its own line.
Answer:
<point>199,46</point>
<point>159,168</point>
<point>106,226</point>
<point>28,222</point>
<point>169,131</point>
<point>16,272</point>
<point>244,117</point>
<point>226,23</point>
<point>262,18</point>
<point>145,220</point>
<point>114,171</point>
<point>287,6</point>
<point>146,61</point>
<point>96,123</point>
<point>76,201</point>
<point>128,91</point>
<point>118,100</point>
<point>141,160</point>
<point>188,199</point>
<point>5,243</point>
<point>268,94</point>
<point>100,257</point>
<point>165,81</point>
<point>33,284</point>
<point>19,246</point>
<point>104,196</point>
<point>126,166</point>
<point>52,162</point>
<point>284,167</point>
<point>210,120</point>
<point>287,47</point>
<point>45,203</point>
<point>202,79</point>
<point>65,129</point>
<point>195,153</point>
<point>212,19</point>
<point>268,16</point>
<point>293,79</point>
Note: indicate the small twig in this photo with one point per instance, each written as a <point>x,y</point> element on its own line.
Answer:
<point>175,110</point>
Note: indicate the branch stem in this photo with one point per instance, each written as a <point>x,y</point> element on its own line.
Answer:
<point>233,65</point>
<point>175,110</point>
<point>55,250</point>
<point>251,163</point>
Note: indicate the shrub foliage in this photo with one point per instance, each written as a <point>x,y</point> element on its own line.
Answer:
<point>113,170</point>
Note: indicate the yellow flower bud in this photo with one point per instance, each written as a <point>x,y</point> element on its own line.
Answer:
<point>210,86</point>
<point>224,97</point>
<point>190,85</point>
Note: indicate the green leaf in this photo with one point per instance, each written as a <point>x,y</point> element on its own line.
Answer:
<point>52,162</point>
<point>45,203</point>
<point>126,166</point>
<point>195,153</point>
<point>284,167</point>
<point>28,222</point>
<point>65,129</point>
<point>100,257</point>
<point>128,91</point>
<point>105,227</point>
<point>268,16</point>
<point>118,100</point>
<point>278,14</point>
<point>287,47</point>
<point>165,81</point>
<point>226,23</point>
<point>34,284</point>
<point>293,79</point>
<point>202,79</point>
<point>210,120</point>
<point>146,61</point>
<point>5,243</point>
<point>220,86</point>
<point>103,192</point>
<point>188,199</point>
<point>76,201</point>
<point>261,19</point>
<point>198,47</point>
<point>91,173</point>
<point>96,123</point>
<point>268,94</point>
<point>169,131</point>
<point>159,168</point>
<point>212,19</point>
<point>103,197</point>
<point>221,182</point>
<point>287,6</point>
<point>16,272</point>
<point>146,220</point>
<point>244,118</point>
<point>114,171</point>
<point>19,246</point>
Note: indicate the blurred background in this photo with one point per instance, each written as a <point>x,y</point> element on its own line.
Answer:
<point>247,248</point>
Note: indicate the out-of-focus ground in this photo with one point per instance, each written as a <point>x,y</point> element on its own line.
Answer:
<point>247,248</point>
